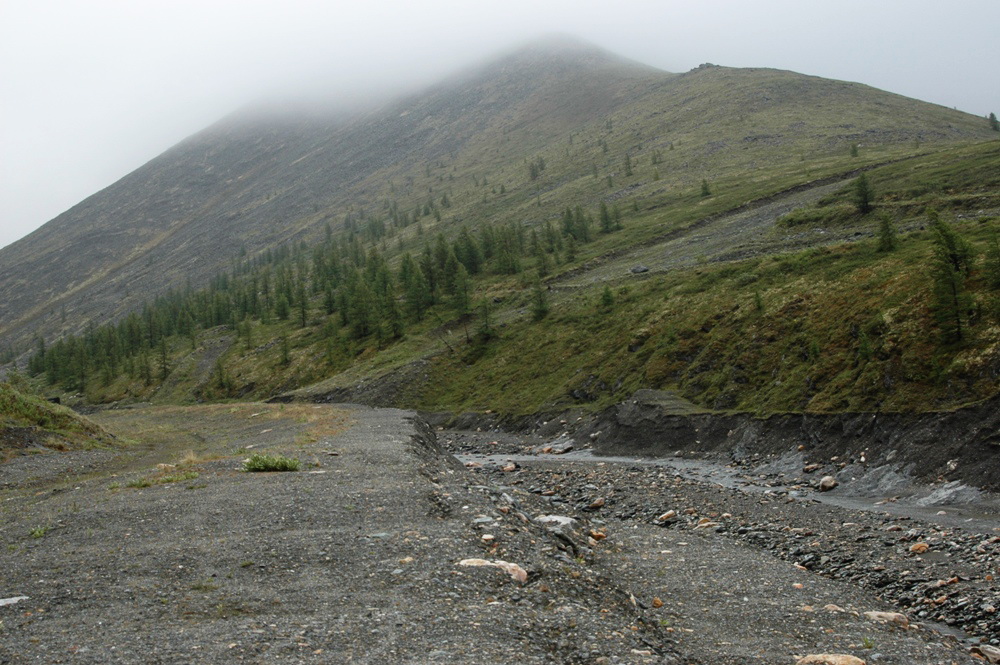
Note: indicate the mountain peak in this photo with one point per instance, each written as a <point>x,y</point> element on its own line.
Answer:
<point>558,52</point>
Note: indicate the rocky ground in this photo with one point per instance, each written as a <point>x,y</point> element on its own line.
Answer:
<point>771,543</point>
<point>382,548</point>
<point>358,557</point>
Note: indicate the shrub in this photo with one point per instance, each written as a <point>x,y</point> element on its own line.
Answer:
<point>260,462</point>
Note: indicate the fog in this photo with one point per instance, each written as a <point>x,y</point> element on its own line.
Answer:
<point>92,89</point>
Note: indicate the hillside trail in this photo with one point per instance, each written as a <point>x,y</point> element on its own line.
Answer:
<point>742,233</point>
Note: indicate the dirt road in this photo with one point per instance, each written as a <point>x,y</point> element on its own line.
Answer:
<point>164,551</point>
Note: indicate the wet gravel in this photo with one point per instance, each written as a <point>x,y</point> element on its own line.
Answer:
<point>375,553</point>
<point>944,577</point>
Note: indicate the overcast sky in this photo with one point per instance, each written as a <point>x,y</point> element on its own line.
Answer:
<point>92,89</point>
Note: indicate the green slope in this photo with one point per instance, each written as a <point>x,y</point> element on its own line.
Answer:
<point>27,422</point>
<point>255,181</point>
<point>781,305</point>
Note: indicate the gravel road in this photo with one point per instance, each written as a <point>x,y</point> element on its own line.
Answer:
<point>385,549</point>
<point>352,559</point>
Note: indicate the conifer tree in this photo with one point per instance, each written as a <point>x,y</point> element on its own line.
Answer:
<point>605,218</point>
<point>887,238</point>
<point>461,298</point>
<point>607,298</point>
<point>993,260</point>
<point>950,264</point>
<point>286,355</point>
<point>164,359</point>
<point>539,301</point>
<point>863,194</point>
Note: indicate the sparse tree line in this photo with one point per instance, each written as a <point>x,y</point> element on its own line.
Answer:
<point>344,284</point>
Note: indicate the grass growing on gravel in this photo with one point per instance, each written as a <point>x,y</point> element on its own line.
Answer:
<point>64,428</point>
<point>262,462</point>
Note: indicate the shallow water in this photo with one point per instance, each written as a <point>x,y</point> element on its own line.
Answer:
<point>910,500</point>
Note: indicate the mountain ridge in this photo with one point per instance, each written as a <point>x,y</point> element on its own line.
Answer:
<point>246,185</point>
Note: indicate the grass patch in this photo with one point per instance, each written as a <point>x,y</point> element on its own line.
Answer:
<point>263,462</point>
<point>40,531</point>
<point>177,477</point>
<point>204,586</point>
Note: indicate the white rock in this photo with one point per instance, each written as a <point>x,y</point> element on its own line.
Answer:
<point>827,483</point>
<point>830,659</point>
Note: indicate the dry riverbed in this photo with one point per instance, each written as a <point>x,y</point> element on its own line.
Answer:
<point>382,548</point>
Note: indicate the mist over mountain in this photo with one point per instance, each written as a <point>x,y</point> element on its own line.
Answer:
<point>260,178</point>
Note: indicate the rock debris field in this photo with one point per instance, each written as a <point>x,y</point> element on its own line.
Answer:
<point>383,548</point>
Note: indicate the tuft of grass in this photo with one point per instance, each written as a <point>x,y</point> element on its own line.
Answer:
<point>262,462</point>
<point>177,477</point>
<point>205,586</point>
<point>40,531</point>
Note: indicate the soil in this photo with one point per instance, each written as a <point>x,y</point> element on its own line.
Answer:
<point>356,557</point>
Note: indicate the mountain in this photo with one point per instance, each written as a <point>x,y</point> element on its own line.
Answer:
<point>257,180</point>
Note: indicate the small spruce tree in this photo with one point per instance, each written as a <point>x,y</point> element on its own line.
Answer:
<point>950,265</point>
<point>863,194</point>
<point>887,238</point>
<point>607,299</point>
<point>705,189</point>
<point>993,260</point>
<point>539,301</point>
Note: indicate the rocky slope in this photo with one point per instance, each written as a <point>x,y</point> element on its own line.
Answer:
<point>256,180</point>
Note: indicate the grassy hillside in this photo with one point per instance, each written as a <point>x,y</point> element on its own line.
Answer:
<point>605,129</point>
<point>836,325</point>
<point>28,421</point>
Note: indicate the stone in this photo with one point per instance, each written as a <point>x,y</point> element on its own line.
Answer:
<point>667,516</point>
<point>919,548</point>
<point>639,269</point>
<point>596,503</point>
<point>556,521</point>
<point>12,601</point>
<point>827,483</point>
<point>560,446</point>
<point>810,468</point>
<point>895,618</point>
<point>830,659</point>
<point>987,652</point>
<point>512,569</point>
